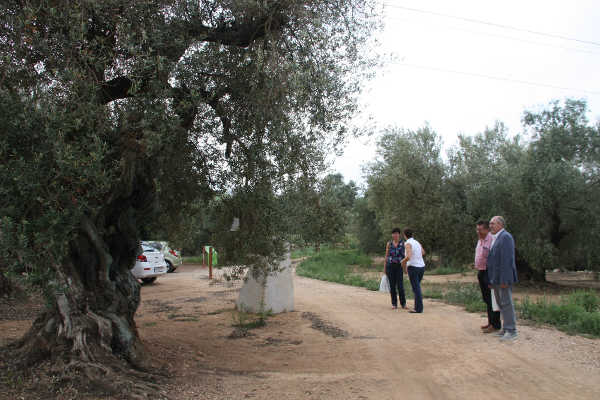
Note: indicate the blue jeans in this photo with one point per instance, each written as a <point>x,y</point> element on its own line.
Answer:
<point>415,274</point>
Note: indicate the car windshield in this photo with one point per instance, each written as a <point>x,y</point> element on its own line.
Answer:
<point>155,245</point>
<point>147,248</point>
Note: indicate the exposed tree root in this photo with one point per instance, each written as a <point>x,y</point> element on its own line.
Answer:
<point>77,379</point>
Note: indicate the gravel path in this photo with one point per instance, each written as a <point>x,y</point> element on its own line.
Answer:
<point>344,342</point>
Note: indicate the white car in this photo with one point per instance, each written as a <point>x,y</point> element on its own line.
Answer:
<point>172,257</point>
<point>149,265</point>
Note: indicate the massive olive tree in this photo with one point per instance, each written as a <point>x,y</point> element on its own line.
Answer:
<point>109,108</point>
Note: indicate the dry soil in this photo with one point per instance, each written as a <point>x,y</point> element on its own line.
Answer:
<point>343,342</point>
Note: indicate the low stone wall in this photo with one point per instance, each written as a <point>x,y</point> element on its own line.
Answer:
<point>583,279</point>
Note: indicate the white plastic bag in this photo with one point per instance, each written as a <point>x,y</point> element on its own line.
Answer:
<point>384,285</point>
<point>495,306</point>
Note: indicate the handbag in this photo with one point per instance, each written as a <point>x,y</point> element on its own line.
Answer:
<point>384,285</point>
<point>495,306</point>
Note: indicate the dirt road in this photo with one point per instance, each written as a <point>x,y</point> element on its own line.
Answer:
<point>344,342</point>
<point>347,343</point>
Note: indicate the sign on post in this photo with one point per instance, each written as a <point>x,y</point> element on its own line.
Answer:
<point>209,254</point>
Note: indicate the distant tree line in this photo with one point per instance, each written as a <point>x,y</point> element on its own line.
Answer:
<point>544,182</point>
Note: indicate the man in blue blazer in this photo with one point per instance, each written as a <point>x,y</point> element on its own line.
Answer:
<point>502,274</point>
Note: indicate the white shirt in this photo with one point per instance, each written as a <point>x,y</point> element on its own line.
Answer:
<point>495,236</point>
<point>416,256</point>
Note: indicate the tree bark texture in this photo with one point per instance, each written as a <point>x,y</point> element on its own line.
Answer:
<point>90,327</point>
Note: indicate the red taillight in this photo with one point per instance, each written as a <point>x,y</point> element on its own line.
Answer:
<point>142,258</point>
<point>173,252</point>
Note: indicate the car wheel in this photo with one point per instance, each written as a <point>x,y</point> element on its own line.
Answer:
<point>149,280</point>
<point>170,266</point>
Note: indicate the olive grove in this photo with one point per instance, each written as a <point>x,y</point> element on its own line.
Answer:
<point>544,182</point>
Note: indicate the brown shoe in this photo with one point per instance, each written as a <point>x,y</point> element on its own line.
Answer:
<point>490,329</point>
<point>486,326</point>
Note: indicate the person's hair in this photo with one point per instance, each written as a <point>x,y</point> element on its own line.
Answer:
<point>500,220</point>
<point>408,232</point>
<point>483,223</point>
<point>396,230</point>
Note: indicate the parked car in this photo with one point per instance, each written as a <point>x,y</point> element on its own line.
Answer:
<point>172,256</point>
<point>149,265</point>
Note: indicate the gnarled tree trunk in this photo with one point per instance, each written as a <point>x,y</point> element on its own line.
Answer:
<point>90,328</point>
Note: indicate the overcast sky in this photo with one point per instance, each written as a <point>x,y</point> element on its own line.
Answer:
<point>418,87</point>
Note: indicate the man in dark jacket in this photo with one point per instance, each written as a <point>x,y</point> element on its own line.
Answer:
<point>502,274</point>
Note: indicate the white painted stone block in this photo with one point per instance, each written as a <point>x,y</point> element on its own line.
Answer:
<point>277,292</point>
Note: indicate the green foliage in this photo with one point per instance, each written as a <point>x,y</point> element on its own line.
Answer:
<point>588,299</point>
<point>132,117</point>
<point>544,185</point>
<point>304,252</point>
<point>446,270</point>
<point>367,229</point>
<point>578,312</point>
<point>245,321</point>
<point>432,292</point>
<point>338,266</point>
<point>405,184</point>
<point>319,211</point>
<point>467,295</point>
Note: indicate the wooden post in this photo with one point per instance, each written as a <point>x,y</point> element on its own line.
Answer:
<point>203,261</point>
<point>210,251</point>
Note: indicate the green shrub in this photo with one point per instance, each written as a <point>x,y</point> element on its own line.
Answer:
<point>447,270</point>
<point>432,293</point>
<point>588,299</point>
<point>372,284</point>
<point>337,266</point>
<point>577,312</point>
<point>303,252</point>
<point>465,294</point>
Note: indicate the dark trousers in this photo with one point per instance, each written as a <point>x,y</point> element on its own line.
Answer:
<point>415,275</point>
<point>486,293</point>
<point>395,275</point>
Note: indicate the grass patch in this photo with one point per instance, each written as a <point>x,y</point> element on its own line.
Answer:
<point>467,295</point>
<point>307,251</point>
<point>303,252</point>
<point>448,270</point>
<point>338,266</point>
<point>244,321</point>
<point>431,292</point>
<point>577,312</point>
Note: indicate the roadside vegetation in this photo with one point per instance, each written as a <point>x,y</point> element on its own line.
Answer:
<point>577,312</point>
<point>340,266</point>
<point>447,270</point>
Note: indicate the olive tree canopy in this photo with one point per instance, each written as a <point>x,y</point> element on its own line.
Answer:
<point>110,108</point>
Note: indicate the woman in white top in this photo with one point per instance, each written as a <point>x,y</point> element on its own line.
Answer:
<point>414,266</point>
